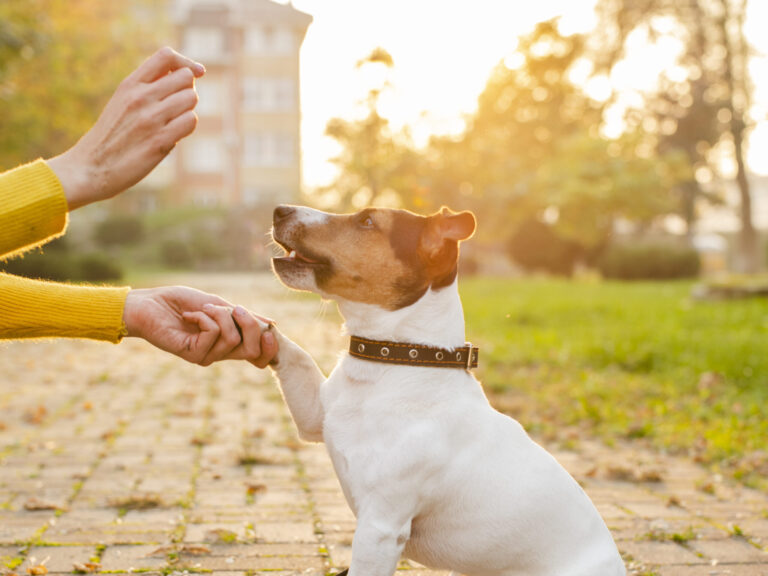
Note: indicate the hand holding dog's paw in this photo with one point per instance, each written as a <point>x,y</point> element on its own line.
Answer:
<point>172,319</point>
<point>250,334</point>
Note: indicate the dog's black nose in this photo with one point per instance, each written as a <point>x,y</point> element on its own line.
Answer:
<point>282,212</point>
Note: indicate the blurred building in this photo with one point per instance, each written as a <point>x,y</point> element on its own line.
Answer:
<point>246,149</point>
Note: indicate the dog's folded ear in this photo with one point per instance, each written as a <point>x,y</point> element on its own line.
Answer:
<point>446,225</point>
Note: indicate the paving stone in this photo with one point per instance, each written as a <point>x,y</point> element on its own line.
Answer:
<point>660,553</point>
<point>130,558</point>
<point>728,551</point>
<point>57,558</point>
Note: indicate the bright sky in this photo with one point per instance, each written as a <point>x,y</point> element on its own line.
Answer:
<point>444,51</point>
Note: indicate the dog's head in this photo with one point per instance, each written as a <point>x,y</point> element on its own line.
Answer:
<point>377,256</point>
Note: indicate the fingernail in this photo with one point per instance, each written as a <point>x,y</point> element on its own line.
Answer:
<point>207,307</point>
<point>199,68</point>
<point>269,338</point>
<point>240,311</point>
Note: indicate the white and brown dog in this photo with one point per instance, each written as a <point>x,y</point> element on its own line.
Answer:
<point>429,468</point>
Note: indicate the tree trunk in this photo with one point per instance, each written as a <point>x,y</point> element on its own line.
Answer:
<point>738,104</point>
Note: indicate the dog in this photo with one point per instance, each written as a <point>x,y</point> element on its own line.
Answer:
<point>429,468</point>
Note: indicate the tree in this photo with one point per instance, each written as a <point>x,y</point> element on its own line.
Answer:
<point>533,150</point>
<point>375,164</point>
<point>60,60</point>
<point>704,108</point>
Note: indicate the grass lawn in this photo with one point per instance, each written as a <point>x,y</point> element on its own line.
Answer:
<point>628,360</point>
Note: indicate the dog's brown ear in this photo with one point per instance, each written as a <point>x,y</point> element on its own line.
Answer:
<point>446,225</point>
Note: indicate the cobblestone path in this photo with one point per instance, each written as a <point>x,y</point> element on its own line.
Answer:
<point>118,459</point>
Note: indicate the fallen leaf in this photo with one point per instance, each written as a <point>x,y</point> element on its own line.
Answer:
<point>39,570</point>
<point>195,550</point>
<point>253,489</point>
<point>162,551</point>
<point>35,415</point>
<point>650,475</point>
<point>33,504</point>
<point>674,501</point>
<point>86,567</point>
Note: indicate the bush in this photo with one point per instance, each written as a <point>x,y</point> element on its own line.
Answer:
<point>118,230</point>
<point>176,254</point>
<point>56,267</point>
<point>98,267</point>
<point>62,266</point>
<point>649,261</point>
<point>536,246</point>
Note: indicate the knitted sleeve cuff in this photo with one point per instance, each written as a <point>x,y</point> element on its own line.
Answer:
<point>33,207</point>
<point>38,309</point>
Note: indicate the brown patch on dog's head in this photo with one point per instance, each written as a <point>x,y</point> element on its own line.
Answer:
<point>378,256</point>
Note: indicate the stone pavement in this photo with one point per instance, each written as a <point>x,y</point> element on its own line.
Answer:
<point>117,459</point>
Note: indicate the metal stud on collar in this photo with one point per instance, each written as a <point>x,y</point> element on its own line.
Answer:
<point>413,353</point>
<point>385,351</point>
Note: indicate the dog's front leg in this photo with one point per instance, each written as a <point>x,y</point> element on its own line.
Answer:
<point>378,545</point>
<point>300,380</point>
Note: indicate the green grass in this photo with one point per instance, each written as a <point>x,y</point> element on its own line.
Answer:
<point>628,360</point>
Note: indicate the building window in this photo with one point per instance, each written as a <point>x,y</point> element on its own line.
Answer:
<point>262,94</point>
<point>204,43</point>
<point>205,197</point>
<point>255,196</point>
<point>203,155</point>
<point>269,149</point>
<point>211,97</point>
<point>260,40</point>
<point>283,41</point>
<point>255,40</point>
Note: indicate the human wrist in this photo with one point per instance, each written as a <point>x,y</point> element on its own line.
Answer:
<point>76,178</point>
<point>131,312</point>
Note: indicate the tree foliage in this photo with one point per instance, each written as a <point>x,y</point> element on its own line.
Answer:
<point>60,60</point>
<point>704,103</point>
<point>534,148</point>
<point>374,162</point>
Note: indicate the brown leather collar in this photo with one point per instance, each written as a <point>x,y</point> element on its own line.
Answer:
<point>413,354</point>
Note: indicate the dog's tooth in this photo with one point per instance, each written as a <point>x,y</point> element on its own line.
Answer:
<point>292,254</point>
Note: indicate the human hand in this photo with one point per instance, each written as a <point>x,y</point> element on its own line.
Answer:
<point>171,318</point>
<point>257,343</point>
<point>151,110</point>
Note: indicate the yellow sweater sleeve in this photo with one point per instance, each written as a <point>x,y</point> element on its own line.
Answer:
<point>33,210</point>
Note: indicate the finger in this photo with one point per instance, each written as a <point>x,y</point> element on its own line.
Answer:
<point>269,350</point>
<point>164,61</point>
<point>176,105</point>
<point>200,344</point>
<point>171,83</point>
<point>229,337</point>
<point>178,128</point>
<point>250,348</point>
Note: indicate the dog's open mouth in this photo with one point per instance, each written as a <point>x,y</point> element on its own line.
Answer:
<point>301,258</point>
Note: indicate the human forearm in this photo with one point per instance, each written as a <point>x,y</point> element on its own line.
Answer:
<point>37,309</point>
<point>33,208</point>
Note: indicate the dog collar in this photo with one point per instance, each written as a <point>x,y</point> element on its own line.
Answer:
<point>413,354</point>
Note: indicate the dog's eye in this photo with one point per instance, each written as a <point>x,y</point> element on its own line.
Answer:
<point>366,222</point>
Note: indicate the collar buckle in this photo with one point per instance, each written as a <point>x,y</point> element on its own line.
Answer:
<point>470,349</point>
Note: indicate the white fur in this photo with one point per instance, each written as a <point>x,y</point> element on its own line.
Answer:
<point>430,469</point>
